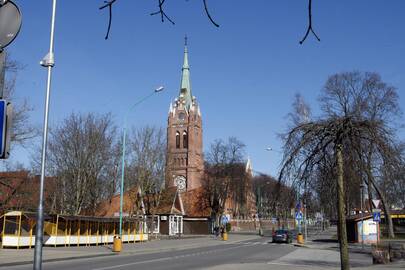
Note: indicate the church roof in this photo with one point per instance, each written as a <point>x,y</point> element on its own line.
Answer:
<point>185,86</point>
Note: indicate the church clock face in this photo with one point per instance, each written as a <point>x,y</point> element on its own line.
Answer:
<point>180,182</point>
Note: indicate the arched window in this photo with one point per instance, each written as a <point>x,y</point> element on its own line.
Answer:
<point>177,139</point>
<point>185,139</point>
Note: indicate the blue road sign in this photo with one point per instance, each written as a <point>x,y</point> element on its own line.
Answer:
<point>224,220</point>
<point>377,216</point>
<point>3,114</point>
<point>298,215</point>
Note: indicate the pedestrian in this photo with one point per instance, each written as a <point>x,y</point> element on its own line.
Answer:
<point>216,231</point>
<point>222,231</point>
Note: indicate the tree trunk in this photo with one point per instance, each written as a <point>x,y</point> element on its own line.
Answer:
<point>385,207</point>
<point>370,194</point>
<point>342,233</point>
<point>370,182</point>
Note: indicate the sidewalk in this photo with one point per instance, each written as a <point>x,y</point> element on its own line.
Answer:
<point>322,251</point>
<point>10,257</point>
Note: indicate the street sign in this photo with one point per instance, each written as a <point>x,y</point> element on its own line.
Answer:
<point>377,216</point>
<point>5,128</point>
<point>224,220</point>
<point>298,215</point>
<point>376,203</point>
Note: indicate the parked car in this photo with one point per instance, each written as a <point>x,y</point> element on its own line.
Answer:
<point>282,236</point>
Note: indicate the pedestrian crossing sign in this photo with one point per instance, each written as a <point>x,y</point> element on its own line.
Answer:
<point>298,215</point>
<point>377,216</point>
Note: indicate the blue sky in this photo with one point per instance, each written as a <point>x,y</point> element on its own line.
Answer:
<point>244,73</point>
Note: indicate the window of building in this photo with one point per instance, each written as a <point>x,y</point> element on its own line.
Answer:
<point>177,139</point>
<point>185,139</point>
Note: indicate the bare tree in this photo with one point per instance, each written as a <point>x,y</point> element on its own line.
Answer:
<point>146,163</point>
<point>365,96</point>
<point>22,129</point>
<point>273,198</point>
<point>80,157</point>
<point>338,144</point>
<point>224,175</point>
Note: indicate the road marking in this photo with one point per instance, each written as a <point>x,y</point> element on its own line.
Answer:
<point>159,260</point>
<point>291,264</point>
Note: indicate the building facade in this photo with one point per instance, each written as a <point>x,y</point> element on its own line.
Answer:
<point>184,163</point>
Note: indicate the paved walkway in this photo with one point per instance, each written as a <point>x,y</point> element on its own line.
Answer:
<point>25,256</point>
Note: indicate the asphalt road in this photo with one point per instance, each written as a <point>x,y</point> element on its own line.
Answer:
<point>256,251</point>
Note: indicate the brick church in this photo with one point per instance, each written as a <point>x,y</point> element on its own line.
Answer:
<point>185,162</point>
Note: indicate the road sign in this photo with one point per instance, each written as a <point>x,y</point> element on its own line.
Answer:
<point>5,128</point>
<point>298,215</point>
<point>377,216</point>
<point>376,203</point>
<point>224,220</point>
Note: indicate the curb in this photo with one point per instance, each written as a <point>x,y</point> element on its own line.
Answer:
<point>300,245</point>
<point>58,259</point>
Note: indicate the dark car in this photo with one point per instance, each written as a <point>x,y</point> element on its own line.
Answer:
<point>282,236</point>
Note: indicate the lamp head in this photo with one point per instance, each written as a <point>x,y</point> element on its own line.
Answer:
<point>159,89</point>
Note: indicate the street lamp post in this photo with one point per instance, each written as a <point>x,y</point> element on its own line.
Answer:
<point>47,62</point>
<point>157,90</point>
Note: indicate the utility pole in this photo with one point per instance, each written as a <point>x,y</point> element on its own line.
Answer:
<point>2,71</point>
<point>48,62</point>
<point>362,186</point>
<point>305,221</point>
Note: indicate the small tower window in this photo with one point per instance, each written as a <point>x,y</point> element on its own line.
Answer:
<point>185,139</point>
<point>177,139</point>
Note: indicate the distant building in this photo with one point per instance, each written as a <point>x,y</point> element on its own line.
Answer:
<point>19,190</point>
<point>241,203</point>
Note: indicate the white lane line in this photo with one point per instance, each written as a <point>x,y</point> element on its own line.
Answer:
<point>134,263</point>
<point>155,260</point>
<point>292,264</point>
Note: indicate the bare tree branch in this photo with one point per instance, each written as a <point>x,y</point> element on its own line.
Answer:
<point>310,24</point>
<point>108,4</point>
<point>208,14</point>
<point>161,12</point>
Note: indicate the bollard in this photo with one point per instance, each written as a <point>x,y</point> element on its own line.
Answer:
<point>225,236</point>
<point>117,244</point>
<point>300,238</point>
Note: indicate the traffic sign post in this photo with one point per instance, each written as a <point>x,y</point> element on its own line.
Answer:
<point>298,217</point>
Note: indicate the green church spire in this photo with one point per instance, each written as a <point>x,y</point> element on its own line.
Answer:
<point>185,88</point>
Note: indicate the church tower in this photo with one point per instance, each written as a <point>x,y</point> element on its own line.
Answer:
<point>184,164</point>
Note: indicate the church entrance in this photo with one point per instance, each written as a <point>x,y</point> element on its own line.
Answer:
<point>175,225</point>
